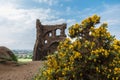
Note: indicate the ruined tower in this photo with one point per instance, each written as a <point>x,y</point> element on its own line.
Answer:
<point>47,39</point>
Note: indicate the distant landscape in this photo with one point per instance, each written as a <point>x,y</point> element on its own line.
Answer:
<point>23,54</point>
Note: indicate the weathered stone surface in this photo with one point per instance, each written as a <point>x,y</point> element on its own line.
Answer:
<point>47,39</point>
<point>5,54</point>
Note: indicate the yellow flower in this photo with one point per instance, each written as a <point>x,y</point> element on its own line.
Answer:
<point>77,44</point>
<point>116,70</point>
<point>70,46</point>
<point>44,73</point>
<point>97,69</point>
<point>73,75</point>
<point>108,76</point>
<point>60,78</point>
<point>94,60</point>
<point>71,58</point>
<point>72,32</point>
<point>88,20</point>
<point>113,78</point>
<point>81,74</point>
<point>76,26</point>
<point>77,54</point>
<point>62,54</point>
<point>63,73</point>
<point>95,18</point>
<point>117,78</point>
<point>48,71</point>
<point>109,70</point>
<point>66,69</point>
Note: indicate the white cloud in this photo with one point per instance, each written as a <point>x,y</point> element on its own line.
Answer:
<point>112,17</point>
<point>17,25</point>
<point>56,21</point>
<point>49,2</point>
<point>21,19</point>
<point>68,9</point>
<point>10,3</point>
<point>52,2</point>
<point>111,14</point>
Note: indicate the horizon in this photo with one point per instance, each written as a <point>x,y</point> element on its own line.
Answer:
<point>18,18</point>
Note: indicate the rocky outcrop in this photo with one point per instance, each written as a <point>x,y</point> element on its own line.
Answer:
<point>6,54</point>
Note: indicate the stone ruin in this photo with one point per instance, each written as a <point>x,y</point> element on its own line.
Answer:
<point>47,39</point>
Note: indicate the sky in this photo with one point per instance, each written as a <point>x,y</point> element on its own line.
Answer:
<point>18,17</point>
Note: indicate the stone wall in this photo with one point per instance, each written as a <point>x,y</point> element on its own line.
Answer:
<point>47,39</point>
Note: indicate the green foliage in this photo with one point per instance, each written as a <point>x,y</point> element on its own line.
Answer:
<point>14,58</point>
<point>90,54</point>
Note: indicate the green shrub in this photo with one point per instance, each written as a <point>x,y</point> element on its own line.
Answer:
<point>90,54</point>
<point>14,58</point>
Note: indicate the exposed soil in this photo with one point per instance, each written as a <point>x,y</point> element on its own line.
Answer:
<point>13,71</point>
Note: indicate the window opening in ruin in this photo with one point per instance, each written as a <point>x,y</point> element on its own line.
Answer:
<point>58,31</point>
<point>46,41</point>
<point>50,34</point>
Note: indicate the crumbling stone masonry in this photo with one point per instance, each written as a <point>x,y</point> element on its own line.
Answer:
<point>47,39</point>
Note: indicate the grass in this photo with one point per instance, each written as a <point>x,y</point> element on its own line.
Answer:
<point>24,60</point>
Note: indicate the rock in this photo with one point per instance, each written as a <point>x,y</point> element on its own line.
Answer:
<point>6,55</point>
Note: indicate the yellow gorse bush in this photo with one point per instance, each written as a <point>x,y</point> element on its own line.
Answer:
<point>93,55</point>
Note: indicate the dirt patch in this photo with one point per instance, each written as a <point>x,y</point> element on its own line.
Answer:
<point>26,71</point>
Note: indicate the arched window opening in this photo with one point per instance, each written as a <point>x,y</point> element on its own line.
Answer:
<point>45,41</point>
<point>58,32</point>
<point>50,34</point>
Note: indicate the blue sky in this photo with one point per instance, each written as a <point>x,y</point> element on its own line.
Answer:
<point>18,17</point>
